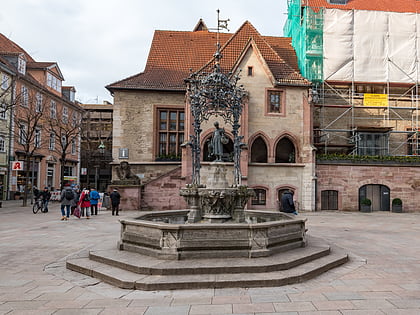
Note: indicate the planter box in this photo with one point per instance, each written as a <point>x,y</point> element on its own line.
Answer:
<point>365,208</point>
<point>397,208</point>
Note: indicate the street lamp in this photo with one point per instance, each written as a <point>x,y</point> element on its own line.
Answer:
<point>101,147</point>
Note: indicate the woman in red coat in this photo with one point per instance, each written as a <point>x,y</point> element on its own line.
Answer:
<point>84,203</point>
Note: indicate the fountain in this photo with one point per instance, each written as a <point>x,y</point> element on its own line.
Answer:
<point>215,242</point>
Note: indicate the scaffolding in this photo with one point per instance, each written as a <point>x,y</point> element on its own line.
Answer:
<point>364,105</point>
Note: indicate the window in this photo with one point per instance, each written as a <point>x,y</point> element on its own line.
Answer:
<point>53,82</point>
<point>259,151</point>
<point>337,1</point>
<point>329,200</point>
<point>413,142</point>
<point>51,145</point>
<point>63,141</point>
<point>37,138</point>
<point>275,101</point>
<point>21,65</point>
<point>285,151</point>
<point>65,116</point>
<point>74,119</point>
<point>4,81</point>
<point>38,104</point>
<point>2,144</point>
<point>250,71</point>
<point>3,110</point>
<point>123,153</point>
<point>68,170</point>
<point>260,197</point>
<point>22,134</point>
<point>73,146</point>
<point>24,96</point>
<point>171,132</point>
<point>53,109</point>
<point>372,143</point>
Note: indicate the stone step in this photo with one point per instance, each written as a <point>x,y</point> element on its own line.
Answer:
<point>142,264</point>
<point>131,280</point>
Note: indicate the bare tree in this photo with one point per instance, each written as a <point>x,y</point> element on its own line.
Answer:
<point>66,130</point>
<point>28,116</point>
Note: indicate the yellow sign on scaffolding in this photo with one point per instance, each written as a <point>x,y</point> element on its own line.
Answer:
<point>379,100</point>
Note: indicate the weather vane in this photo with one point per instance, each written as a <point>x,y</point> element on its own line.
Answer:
<point>221,24</point>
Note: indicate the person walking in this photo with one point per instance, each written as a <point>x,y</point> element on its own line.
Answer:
<point>115,201</point>
<point>45,196</point>
<point>288,203</point>
<point>84,203</point>
<point>66,199</point>
<point>94,199</point>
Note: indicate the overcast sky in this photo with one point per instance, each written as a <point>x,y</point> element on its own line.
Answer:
<point>98,42</point>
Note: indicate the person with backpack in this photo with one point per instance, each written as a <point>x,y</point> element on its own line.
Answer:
<point>66,200</point>
<point>94,200</point>
<point>84,203</point>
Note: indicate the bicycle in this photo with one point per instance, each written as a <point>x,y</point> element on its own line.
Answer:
<point>38,205</point>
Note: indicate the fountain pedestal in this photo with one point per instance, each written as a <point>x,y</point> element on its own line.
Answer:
<point>216,202</point>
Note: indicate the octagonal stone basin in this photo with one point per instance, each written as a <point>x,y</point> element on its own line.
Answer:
<point>166,235</point>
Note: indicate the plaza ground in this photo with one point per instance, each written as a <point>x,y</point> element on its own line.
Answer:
<point>382,277</point>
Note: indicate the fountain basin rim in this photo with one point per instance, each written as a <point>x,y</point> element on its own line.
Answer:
<point>142,220</point>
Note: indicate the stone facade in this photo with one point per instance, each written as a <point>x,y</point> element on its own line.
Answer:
<point>403,182</point>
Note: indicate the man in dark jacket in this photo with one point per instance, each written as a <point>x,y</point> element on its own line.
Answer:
<point>115,201</point>
<point>45,197</point>
<point>287,202</point>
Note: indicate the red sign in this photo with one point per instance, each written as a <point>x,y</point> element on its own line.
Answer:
<point>17,166</point>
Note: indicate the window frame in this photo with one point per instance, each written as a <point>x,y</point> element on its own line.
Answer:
<point>282,102</point>
<point>3,111</point>
<point>65,115</point>
<point>53,109</point>
<point>372,150</point>
<point>51,144</point>
<point>171,148</point>
<point>2,144</point>
<point>256,200</point>
<point>25,96</point>
<point>5,81</point>
<point>37,137</point>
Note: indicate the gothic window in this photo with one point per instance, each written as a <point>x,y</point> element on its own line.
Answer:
<point>259,151</point>
<point>285,151</point>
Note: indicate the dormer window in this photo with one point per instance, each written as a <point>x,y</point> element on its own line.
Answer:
<point>21,65</point>
<point>337,1</point>
<point>53,82</point>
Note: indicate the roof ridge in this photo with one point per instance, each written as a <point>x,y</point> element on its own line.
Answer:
<point>16,47</point>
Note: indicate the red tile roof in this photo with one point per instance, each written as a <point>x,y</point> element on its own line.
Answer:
<point>174,53</point>
<point>371,5</point>
<point>8,46</point>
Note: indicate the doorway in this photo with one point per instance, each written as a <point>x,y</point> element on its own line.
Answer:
<point>379,195</point>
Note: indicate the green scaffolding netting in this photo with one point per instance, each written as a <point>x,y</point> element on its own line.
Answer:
<point>305,27</point>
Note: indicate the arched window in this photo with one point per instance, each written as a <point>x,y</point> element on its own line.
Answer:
<point>260,197</point>
<point>285,151</point>
<point>227,151</point>
<point>259,151</point>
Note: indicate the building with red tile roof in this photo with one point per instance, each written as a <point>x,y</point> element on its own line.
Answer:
<point>35,100</point>
<point>152,117</point>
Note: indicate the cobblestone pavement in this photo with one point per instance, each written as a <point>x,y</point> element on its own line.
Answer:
<point>383,276</point>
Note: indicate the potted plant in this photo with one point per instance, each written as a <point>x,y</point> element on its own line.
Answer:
<point>397,205</point>
<point>365,205</point>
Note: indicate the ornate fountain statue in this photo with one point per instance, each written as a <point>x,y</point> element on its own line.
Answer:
<point>216,94</point>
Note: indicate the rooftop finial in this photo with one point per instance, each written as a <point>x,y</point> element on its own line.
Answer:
<point>221,24</point>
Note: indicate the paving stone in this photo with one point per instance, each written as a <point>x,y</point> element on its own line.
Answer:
<point>210,309</point>
<point>173,310</point>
